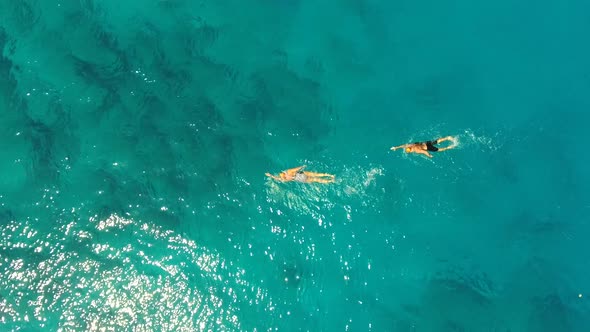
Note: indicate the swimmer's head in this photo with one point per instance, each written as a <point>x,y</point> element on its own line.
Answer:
<point>408,149</point>
<point>283,176</point>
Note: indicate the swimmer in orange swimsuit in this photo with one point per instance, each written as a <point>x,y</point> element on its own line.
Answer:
<point>298,175</point>
<point>425,147</point>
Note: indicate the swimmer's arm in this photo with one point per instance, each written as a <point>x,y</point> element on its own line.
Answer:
<point>400,147</point>
<point>274,177</point>
<point>424,152</point>
<point>295,170</point>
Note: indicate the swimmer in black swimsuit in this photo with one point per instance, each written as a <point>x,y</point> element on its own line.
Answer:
<point>428,146</point>
<point>298,175</point>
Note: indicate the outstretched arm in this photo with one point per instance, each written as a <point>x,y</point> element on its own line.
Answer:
<point>400,147</point>
<point>273,176</point>
<point>295,170</point>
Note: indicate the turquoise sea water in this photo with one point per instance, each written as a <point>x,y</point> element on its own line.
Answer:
<point>134,138</point>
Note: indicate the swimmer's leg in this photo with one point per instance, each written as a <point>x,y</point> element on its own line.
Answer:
<point>314,174</point>
<point>320,180</point>
<point>319,177</point>
<point>448,138</point>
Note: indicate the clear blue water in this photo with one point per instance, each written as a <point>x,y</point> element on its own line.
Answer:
<point>134,138</point>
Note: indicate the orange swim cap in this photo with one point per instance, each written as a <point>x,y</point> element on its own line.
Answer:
<point>408,149</point>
